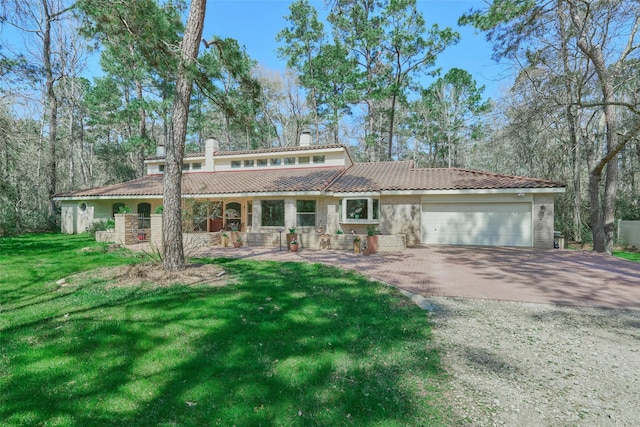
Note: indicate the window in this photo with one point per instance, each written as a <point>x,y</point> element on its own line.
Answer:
<point>273,213</point>
<point>306,213</point>
<point>161,168</point>
<point>196,166</point>
<point>248,163</point>
<point>276,162</point>
<point>357,209</point>
<point>185,166</point>
<point>236,164</point>
<point>289,160</point>
<point>233,214</point>
<point>261,162</point>
<point>318,159</point>
<point>360,209</point>
<point>303,160</point>
<point>144,215</point>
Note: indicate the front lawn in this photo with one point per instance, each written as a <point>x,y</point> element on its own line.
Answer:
<point>283,344</point>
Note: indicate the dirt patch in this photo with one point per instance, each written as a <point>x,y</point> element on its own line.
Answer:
<point>519,364</point>
<point>153,275</point>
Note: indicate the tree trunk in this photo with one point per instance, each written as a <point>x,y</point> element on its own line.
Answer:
<point>52,102</point>
<point>142,129</point>
<point>172,219</point>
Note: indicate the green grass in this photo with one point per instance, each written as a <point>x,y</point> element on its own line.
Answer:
<point>288,344</point>
<point>631,256</point>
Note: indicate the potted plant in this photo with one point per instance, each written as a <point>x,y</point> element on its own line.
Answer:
<point>224,239</point>
<point>356,245</point>
<point>234,227</point>
<point>372,238</point>
<point>291,235</point>
<point>293,245</point>
<point>238,242</point>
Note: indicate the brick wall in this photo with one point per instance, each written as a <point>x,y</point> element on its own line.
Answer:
<point>126,229</point>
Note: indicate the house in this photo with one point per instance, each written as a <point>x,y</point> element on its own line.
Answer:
<point>319,188</point>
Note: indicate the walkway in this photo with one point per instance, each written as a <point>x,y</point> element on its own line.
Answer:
<point>514,274</point>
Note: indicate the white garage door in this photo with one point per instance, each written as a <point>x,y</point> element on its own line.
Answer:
<point>486,224</point>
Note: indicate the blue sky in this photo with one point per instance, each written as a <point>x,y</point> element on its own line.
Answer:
<point>255,24</point>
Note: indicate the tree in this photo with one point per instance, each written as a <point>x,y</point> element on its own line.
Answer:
<point>408,52</point>
<point>600,38</point>
<point>40,19</point>
<point>448,115</point>
<point>303,43</point>
<point>173,259</point>
<point>225,80</point>
<point>138,40</point>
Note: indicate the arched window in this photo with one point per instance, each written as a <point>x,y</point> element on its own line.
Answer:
<point>144,210</point>
<point>144,215</point>
<point>233,215</point>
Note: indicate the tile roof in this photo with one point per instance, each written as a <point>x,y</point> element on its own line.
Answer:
<point>389,176</point>
<point>258,181</point>
<point>361,177</point>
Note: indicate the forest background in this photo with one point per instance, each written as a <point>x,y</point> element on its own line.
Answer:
<point>355,75</point>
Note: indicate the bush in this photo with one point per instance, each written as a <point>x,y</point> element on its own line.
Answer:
<point>101,225</point>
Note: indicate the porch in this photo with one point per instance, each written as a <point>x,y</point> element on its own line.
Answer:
<point>125,234</point>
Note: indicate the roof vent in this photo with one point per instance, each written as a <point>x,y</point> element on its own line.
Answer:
<point>305,138</point>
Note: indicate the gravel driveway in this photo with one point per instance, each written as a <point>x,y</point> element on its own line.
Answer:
<point>524,364</point>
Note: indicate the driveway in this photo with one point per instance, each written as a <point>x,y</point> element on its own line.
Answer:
<point>512,274</point>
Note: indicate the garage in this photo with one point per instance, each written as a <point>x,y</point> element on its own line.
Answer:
<point>485,224</point>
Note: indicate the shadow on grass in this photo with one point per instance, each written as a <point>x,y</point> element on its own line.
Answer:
<point>290,344</point>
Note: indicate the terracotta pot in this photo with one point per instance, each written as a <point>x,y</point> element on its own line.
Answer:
<point>293,247</point>
<point>237,244</point>
<point>372,244</point>
<point>290,237</point>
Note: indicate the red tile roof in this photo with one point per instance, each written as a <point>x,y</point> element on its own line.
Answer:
<point>389,176</point>
<point>254,181</point>
<point>361,177</point>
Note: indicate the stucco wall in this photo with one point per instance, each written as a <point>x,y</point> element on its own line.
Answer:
<point>629,232</point>
<point>76,217</point>
<point>543,213</point>
<point>401,215</point>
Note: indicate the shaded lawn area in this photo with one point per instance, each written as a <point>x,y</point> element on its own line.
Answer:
<point>286,344</point>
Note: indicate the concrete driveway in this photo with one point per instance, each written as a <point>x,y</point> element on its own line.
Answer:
<point>514,274</point>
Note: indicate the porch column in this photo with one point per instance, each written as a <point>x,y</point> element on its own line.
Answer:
<point>126,224</point>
